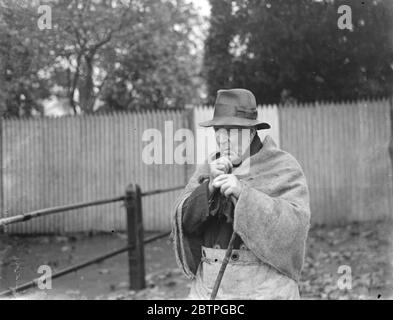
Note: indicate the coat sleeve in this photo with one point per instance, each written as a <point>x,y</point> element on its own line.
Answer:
<point>187,246</point>
<point>195,209</point>
<point>274,226</point>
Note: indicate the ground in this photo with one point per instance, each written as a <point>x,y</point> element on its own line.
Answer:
<point>364,247</point>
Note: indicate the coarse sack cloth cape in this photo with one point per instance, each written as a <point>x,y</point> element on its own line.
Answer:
<point>272,214</point>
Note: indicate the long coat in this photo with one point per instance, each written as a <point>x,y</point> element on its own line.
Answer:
<point>272,217</point>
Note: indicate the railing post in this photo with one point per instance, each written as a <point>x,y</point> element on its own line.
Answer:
<point>136,256</point>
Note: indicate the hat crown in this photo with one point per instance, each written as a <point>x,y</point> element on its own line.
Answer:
<point>235,108</point>
<point>235,102</point>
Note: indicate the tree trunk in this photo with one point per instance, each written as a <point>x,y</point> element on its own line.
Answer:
<point>86,86</point>
<point>391,134</point>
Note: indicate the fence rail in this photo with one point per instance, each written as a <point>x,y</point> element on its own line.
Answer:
<point>135,237</point>
<point>44,212</point>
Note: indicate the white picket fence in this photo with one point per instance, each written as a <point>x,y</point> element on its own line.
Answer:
<point>342,147</point>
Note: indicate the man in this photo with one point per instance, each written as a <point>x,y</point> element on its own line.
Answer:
<point>254,189</point>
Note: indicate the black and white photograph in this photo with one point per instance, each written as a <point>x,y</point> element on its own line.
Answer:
<point>196,150</point>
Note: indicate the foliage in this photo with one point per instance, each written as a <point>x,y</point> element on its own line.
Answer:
<point>293,49</point>
<point>20,81</point>
<point>109,53</point>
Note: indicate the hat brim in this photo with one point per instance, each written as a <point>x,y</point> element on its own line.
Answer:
<point>235,122</point>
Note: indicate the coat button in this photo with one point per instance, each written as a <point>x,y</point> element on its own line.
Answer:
<point>235,257</point>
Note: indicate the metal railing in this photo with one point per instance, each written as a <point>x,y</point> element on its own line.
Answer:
<point>135,236</point>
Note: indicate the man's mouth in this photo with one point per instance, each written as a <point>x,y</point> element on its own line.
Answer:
<point>232,156</point>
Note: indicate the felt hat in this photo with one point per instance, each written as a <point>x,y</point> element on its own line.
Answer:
<point>235,108</point>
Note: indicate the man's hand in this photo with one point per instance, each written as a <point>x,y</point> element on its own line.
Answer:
<point>219,167</point>
<point>228,184</point>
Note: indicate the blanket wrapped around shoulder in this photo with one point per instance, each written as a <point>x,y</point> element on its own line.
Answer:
<point>272,215</point>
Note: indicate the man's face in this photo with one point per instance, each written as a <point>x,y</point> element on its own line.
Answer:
<point>234,142</point>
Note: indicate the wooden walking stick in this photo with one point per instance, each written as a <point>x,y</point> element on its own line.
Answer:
<point>228,253</point>
<point>224,264</point>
